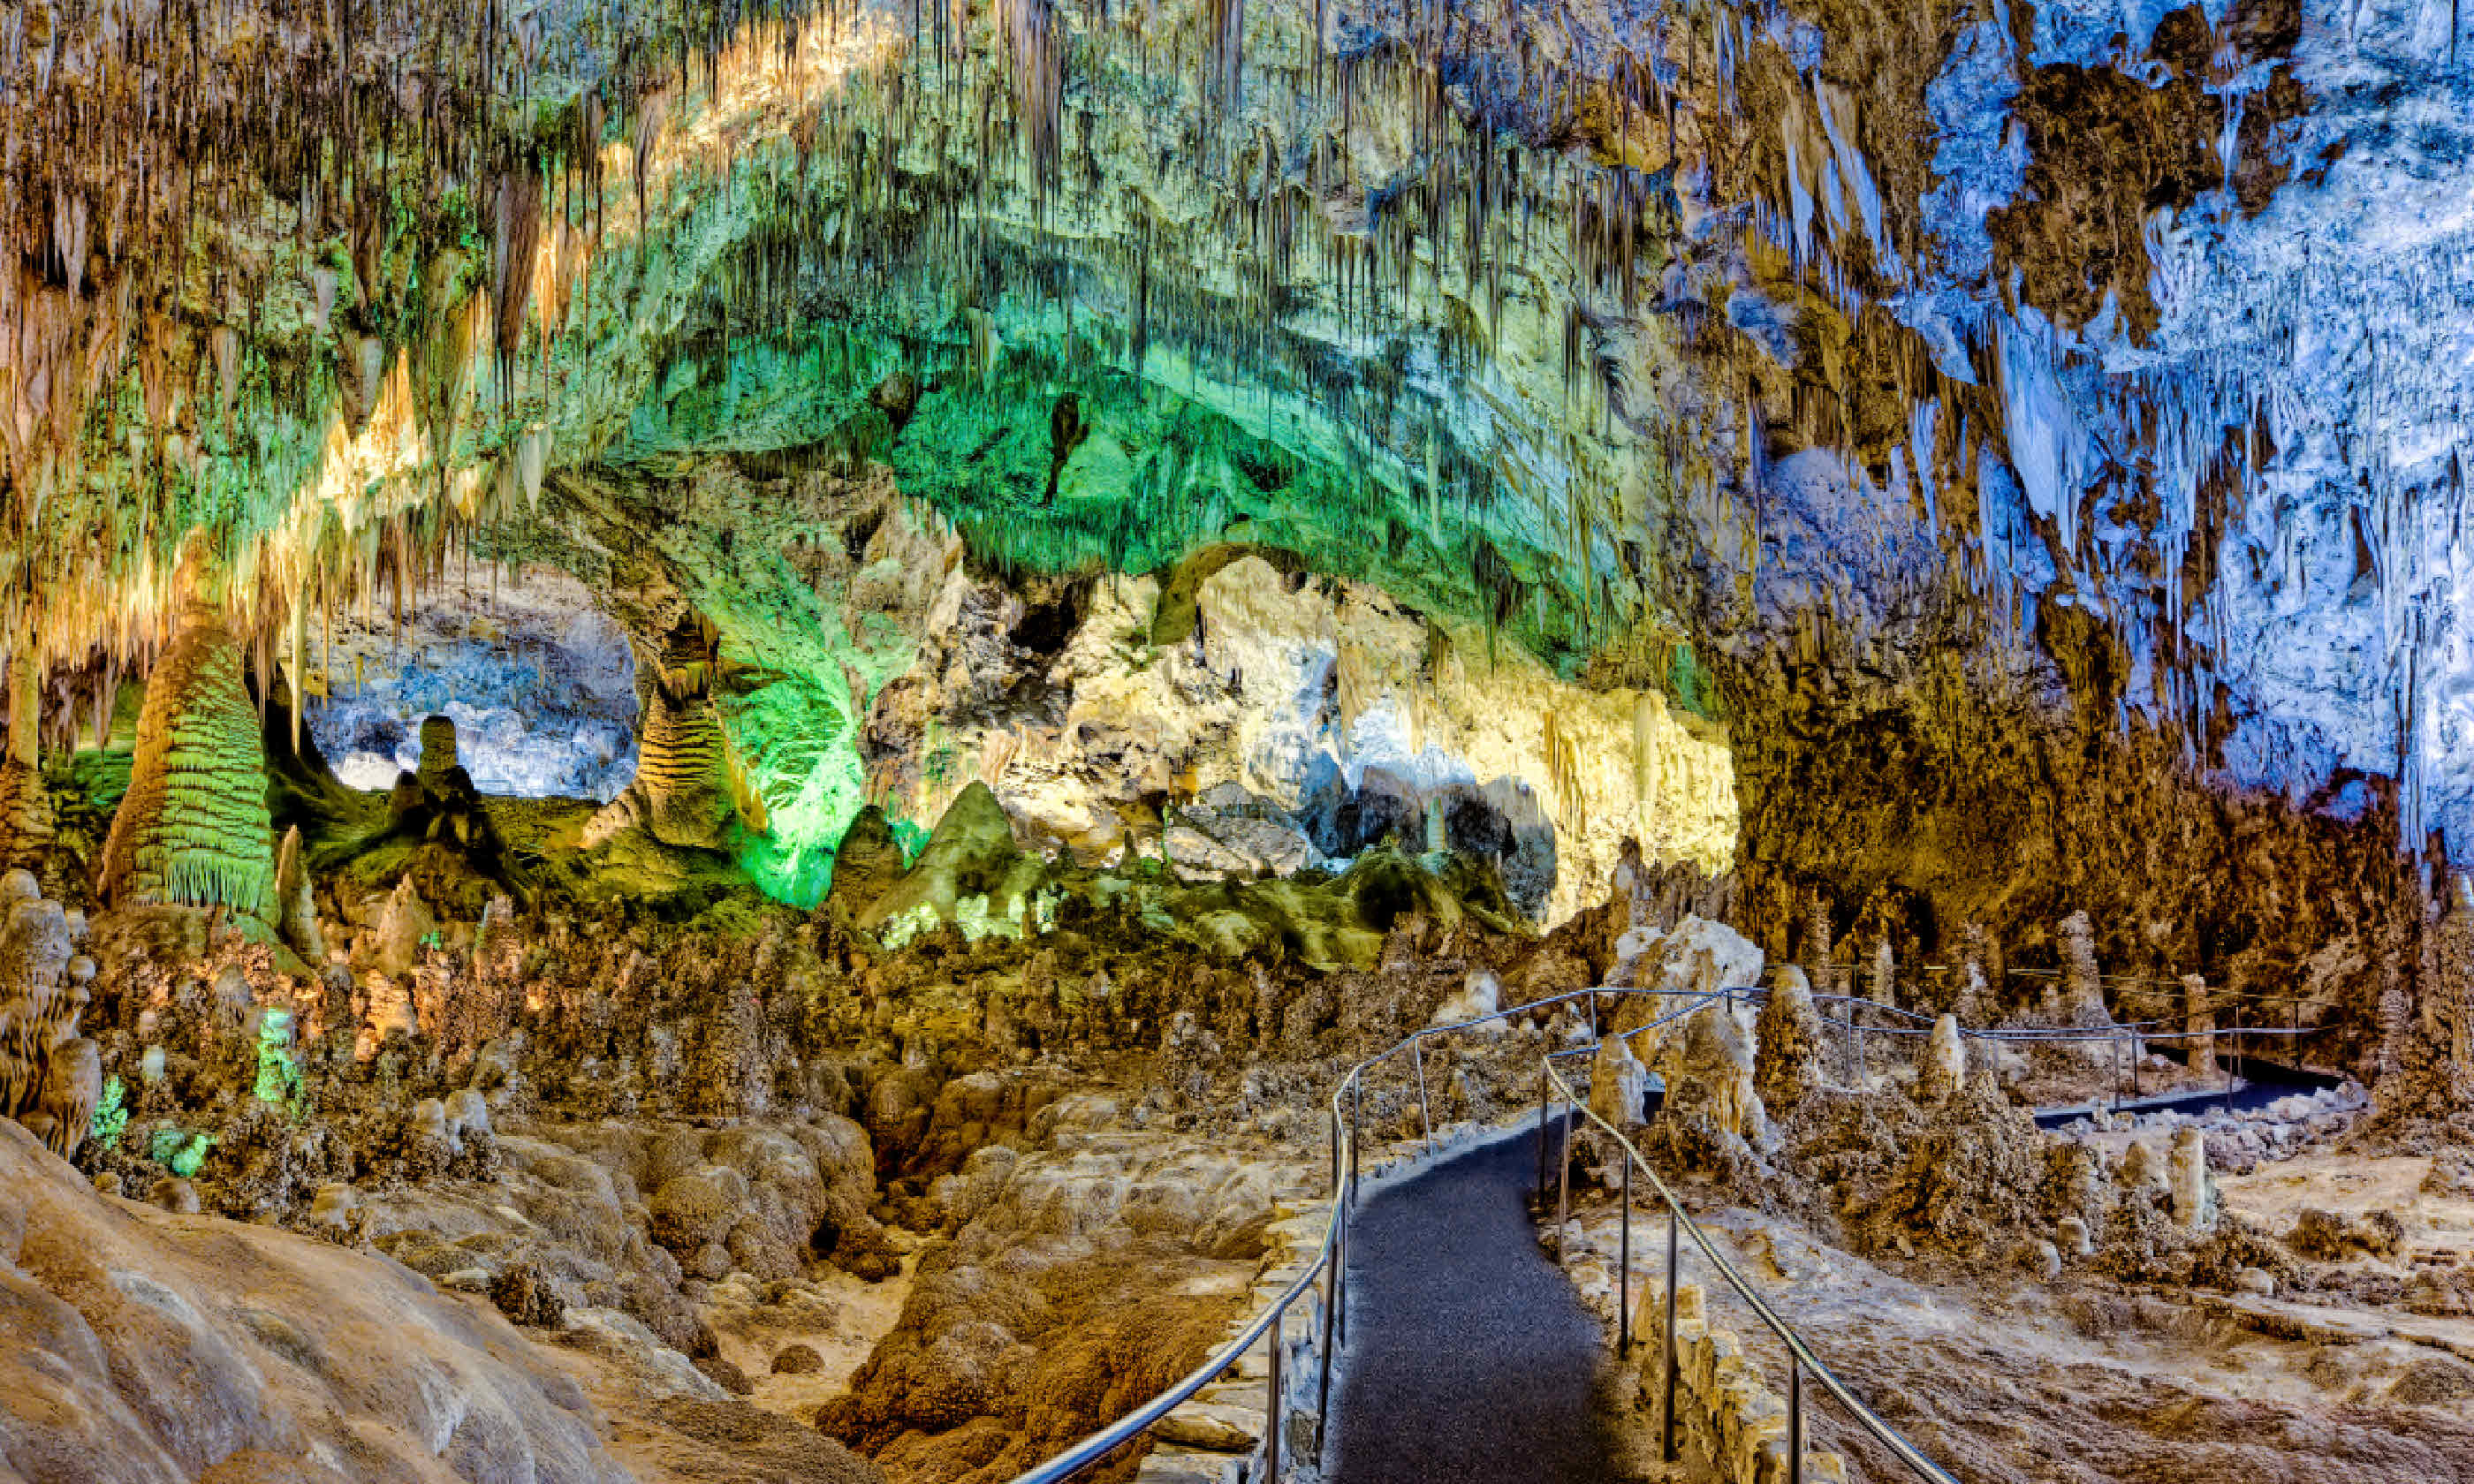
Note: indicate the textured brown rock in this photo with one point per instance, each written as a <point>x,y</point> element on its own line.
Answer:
<point>1787,1057</point>
<point>296,911</point>
<point>126,1361</point>
<point>26,821</point>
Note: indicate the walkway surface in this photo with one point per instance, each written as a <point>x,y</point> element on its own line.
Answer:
<point>1469,1355</point>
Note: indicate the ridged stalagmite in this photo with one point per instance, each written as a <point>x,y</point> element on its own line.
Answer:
<point>687,789</point>
<point>26,820</point>
<point>193,827</point>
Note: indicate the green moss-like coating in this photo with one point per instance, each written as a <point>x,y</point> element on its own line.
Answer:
<point>111,1114</point>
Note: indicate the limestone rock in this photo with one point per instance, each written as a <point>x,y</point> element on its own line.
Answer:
<point>1941,1071</point>
<point>866,862</point>
<point>297,912</point>
<point>688,789</point>
<point>1618,1082</point>
<point>401,932</point>
<point>970,858</point>
<point>1480,994</point>
<point>1789,1037</point>
<point>2193,1188</point>
<point>1709,1072</point>
<point>141,1365</point>
<point>26,819</point>
<point>72,1087</point>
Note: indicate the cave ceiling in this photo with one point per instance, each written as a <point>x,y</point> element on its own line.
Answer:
<point>2104,362</point>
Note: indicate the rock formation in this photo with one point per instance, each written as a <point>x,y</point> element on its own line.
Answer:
<point>192,828</point>
<point>1787,1039</point>
<point>1941,1070</point>
<point>1708,1074</point>
<point>26,822</point>
<point>50,1075</point>
<point>689,790</point>
<point>2194,1189</point>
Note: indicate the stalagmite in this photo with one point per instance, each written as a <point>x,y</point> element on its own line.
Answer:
<point>687,791</point>
<point>1787,1057</point>
<point>49,1074</point>
<point>26,822</point>
<point>1885,978</point>
<point>297,911</point>
<point>1817,947</point>
<point>1619,1081</point>
<point>193,828</point>
<point>1941,1071</point>
<point>1709,1073</point>
<point>2082,991</point>
<point>2199,1027</point>
<point>2194,1189</point>
<point>1974,996</point>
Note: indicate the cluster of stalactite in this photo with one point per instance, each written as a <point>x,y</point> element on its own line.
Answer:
<point>368,309</point>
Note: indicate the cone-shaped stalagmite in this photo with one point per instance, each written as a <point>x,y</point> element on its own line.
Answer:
<point>296,914</point>
<point>193,827</point>
<point>1787,1064</point>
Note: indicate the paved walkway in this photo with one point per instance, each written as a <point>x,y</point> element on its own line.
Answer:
<point>1469,1357</point>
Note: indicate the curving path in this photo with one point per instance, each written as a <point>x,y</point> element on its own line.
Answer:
<point>1469,1357</point>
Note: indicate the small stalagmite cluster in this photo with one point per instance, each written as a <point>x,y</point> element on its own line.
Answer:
<point>50,1075</point>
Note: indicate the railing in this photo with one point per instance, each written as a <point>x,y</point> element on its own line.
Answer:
<point>1327,1326</point>
<point>1680,1223</point>
<point>2124,1038</point>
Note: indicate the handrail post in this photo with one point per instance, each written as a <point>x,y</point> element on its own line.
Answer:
<point>1666,1427</point>
<point>1426,1144</point>
<point>1564,1180</point>
<point>2229,1057</point>
<point>1348,1222</point>
<point>1624,1267</point>
<point>1330,1316</point>
<point>1272,1400</point>
<point>1335,1152</point>
<point>1794,1419</point>
<point>1541,1128</point>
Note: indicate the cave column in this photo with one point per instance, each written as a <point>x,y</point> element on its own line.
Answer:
<point>2200,1021</point>
<point>688,789</point>
<point>26,819</point>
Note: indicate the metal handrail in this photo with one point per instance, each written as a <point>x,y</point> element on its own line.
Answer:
<point>1800,1358</point>
<point>1328,1263</point>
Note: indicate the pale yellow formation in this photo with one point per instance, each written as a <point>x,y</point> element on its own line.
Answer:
<point>1282,668</point>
